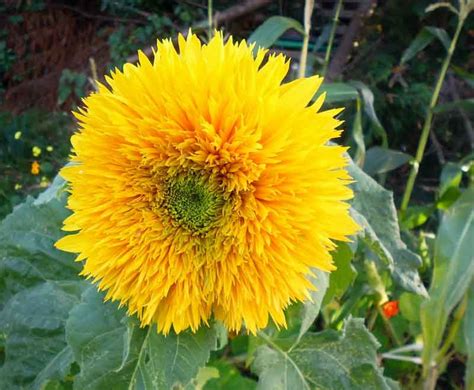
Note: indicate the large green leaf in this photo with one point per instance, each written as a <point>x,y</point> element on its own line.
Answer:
<point>113,352</point>
<point>273,28</point>
<point>326,360</point>
<point>375,211</point>
<point>453,271</point>
<point>38,287</point>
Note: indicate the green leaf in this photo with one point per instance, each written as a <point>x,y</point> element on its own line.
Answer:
<point>114,353</point>
<point>343,276</point>
<point>452,274</point>
<point>311,308</point>
<point>229,378</point>
<point>374,210</point>
<point>381,160</point>
<point>38,287</point>
<point>338,92</point>
<point>415,216</point>
<point>443,4</point>
<point>410,306</point>
<point>326,360</point>
<point>273,28</point>
<point>451,176</point>
<point>368,98</point>
<point>469,337</point>
<point>204,375</point>
<point>465,104</point>
<point>358,136</point>
<point>423,39</point>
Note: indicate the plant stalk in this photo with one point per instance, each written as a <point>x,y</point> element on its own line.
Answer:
<point>308,12</point>
<point>428,119</point>
<point>209,18</point>
<point>335,22</point>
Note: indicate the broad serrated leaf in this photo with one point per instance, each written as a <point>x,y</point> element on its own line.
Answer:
<point>452,274</point>
<point>273,28</point>
<point>113,352</point>
<point>38,287</point>
<point>326,360</point>
<point>374,210</point>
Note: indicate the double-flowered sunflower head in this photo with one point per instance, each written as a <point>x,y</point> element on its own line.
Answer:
<point>201,186</point>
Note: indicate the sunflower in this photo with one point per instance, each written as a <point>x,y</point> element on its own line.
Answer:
<point>201,186</point>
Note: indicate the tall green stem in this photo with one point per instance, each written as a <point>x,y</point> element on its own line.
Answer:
<point>308,11</point>
<point>428,119</point>
<point>335,22</point>
<point>209,18</point>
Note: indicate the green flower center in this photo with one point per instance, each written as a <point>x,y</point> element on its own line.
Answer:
<point>192,201</point>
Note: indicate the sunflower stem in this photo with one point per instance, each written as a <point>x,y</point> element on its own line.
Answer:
<point>335,22</point>
<point>308,12</point>
<point>428,119</point>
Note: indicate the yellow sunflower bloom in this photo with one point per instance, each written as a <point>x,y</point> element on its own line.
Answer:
<point>202,186</point>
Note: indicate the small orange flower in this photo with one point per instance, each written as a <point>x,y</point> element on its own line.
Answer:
<point>390,309</point>
<point>35,168</point>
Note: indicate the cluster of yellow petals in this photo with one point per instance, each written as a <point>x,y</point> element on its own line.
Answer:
<point>216,118</point>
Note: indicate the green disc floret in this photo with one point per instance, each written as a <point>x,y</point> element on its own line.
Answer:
<point>192,201</point>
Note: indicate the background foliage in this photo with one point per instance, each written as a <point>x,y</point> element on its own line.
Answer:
<point>382,63</point>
